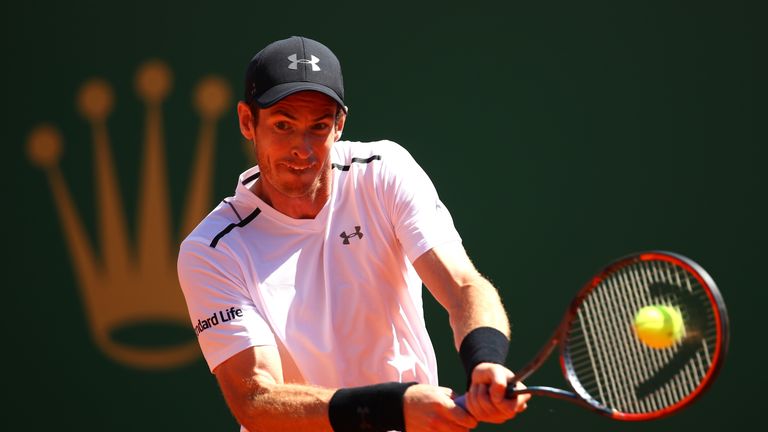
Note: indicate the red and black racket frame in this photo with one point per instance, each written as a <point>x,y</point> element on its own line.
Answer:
<point>559,339</point>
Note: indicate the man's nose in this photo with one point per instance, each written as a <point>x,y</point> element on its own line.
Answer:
<point>302,148</point>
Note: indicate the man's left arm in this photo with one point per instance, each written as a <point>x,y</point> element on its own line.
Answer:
<point>475,309</point>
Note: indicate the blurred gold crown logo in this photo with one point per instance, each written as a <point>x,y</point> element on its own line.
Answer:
<point>134,283</point>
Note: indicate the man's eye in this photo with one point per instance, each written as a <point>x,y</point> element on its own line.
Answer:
<point>281,125</point>
<point>320,126</point>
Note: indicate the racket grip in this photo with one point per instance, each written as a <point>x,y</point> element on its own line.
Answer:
<point>462,400</point>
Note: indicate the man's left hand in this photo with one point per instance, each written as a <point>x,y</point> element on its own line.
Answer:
<point>485,398</point>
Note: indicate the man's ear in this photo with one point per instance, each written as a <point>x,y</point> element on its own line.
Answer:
<point>245,117</point>
<point>340,124</point>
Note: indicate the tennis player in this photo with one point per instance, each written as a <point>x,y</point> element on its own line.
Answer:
<point>304,287</point>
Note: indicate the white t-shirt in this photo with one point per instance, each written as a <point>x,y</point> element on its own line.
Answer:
<point>336,294</point>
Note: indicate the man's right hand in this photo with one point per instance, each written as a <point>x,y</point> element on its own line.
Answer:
<point>430,408</point>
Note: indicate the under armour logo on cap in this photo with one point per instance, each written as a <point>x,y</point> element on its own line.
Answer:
<point>292,65</point>
<point>295,62</point>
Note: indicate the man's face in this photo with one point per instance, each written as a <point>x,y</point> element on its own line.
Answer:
<point>292,140</point>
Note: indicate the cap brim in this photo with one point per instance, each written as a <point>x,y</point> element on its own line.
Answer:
<point>280,91</point>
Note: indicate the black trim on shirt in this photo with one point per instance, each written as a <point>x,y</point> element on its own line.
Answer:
<point>232,226</point>
<point>233,209</point>
<point>251,178</point>
<point>356,160</point>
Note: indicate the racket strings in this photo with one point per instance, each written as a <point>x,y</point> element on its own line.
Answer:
<point>617,370</point>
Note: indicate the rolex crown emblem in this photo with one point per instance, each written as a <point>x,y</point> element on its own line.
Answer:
<point>132,283</point>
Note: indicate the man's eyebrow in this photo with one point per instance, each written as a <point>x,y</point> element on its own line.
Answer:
<point>283,113</point>
<point>324,116</point>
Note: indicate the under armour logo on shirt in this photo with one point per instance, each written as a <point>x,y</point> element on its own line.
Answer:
<point>295,62</point>
<point>346,236</point>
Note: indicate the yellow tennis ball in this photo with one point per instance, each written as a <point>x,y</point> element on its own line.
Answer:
<point>659,326</point>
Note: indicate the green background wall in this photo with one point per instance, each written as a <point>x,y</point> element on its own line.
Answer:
<point>560,134</point>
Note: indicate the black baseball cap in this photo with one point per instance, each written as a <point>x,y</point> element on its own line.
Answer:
<point>292,65</point>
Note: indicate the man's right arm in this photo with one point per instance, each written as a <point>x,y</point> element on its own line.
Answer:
<point>253,387</point>
<point>252,384</point>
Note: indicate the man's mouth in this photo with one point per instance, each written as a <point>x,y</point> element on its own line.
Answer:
<point>298,168</point>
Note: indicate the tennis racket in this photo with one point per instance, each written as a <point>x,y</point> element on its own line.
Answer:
<point>609,369</point>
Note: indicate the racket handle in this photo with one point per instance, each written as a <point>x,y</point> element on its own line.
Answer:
<point>461,401</point>
<point>510,393</point>
<point>543,391</point>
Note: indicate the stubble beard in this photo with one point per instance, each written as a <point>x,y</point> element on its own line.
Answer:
<point>294,188</point>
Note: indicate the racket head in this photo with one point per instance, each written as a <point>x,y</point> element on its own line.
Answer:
<point>615,372</point>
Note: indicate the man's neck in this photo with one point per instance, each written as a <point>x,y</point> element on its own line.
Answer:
<point>303,207</point>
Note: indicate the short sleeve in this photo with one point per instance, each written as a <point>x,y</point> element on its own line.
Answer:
<point>223,314</point>
<point>421,221</point>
